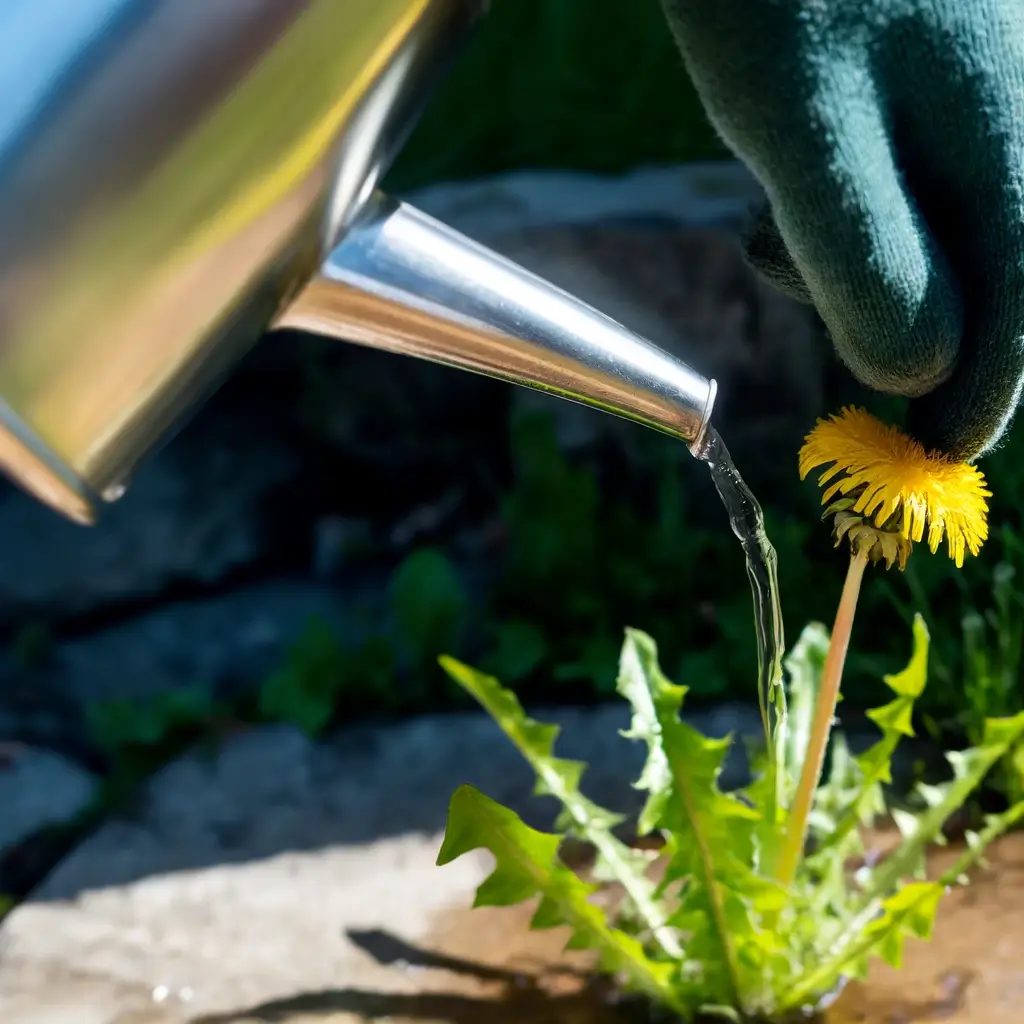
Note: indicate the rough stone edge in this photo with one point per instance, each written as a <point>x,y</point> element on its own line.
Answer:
<point>714,193</point>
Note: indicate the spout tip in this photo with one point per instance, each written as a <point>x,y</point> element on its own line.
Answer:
<point>697,444</point>
<point>33,467</point>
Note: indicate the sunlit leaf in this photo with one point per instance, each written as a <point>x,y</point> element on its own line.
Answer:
<point>752,947</point>
<point>527,865</point>
<point>804,666</point>
<point>881,927</point>
<point>723,901</point>
<point>857,803</point>
<point>969,770</point>
<point>560,778</point>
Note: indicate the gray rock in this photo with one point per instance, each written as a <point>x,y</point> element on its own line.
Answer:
<point>223,644</point>
<point>271,789</point>
<point>193,513</point>
<point>407,430</point>
<point>38,788</point>
<point>244,878</point>
<point>171,948</point>
<point>223,647</point>
<point>718,193</point>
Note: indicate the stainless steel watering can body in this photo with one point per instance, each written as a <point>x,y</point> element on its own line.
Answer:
<point>176,176</point>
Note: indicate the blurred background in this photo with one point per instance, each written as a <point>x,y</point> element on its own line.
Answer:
<point>335,518</point>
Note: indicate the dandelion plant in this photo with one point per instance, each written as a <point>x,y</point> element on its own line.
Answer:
<point>749,915</point>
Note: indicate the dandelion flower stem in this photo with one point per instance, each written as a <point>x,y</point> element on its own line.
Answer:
<point>821,728</point>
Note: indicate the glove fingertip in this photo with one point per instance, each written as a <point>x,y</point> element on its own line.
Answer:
<point>766,252</point>
<point>968,416</point>
<point>896,323</point>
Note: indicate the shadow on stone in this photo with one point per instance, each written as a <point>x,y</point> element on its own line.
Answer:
<point>391,951</point>
<point>528,1005</point>
<point>520,996</point>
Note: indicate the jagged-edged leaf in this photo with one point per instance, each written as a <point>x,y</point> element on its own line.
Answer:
<point>712,835</point>
<point>925,828</point>
<point>969,770</point>
<point>1015,772</point>
<point>804,665</point>
<point>527,865</point>
<point>907,913</point>
<point>912,680</point>
<point>655,778</point>
<point>978,842</point>
<point>762,794</point>
<point>823,884</point>
<point>560,778</point>
<point>1002,733</point>
<point>855,805</point>
<point>910,913</point>
<point>881,927</point>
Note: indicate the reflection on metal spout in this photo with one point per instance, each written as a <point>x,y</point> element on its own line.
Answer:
<point>171,173</point>
<point>405,283</point>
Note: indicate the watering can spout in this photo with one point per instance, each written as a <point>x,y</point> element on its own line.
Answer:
<point>179,176</point>
<point>403,282</point>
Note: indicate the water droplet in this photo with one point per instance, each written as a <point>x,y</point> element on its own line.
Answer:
<point>114,492</point>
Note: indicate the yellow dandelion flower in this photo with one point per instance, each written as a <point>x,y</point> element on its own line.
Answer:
<point>892,484</point>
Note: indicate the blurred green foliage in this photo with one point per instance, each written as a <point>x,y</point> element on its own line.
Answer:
<point>594,85</point>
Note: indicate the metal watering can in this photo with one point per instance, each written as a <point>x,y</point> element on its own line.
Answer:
<point>179,176</point>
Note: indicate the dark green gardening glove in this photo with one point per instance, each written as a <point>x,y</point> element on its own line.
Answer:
<point>889,138</point>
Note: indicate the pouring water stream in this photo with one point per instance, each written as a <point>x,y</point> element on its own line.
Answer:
<point>747,523</point>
